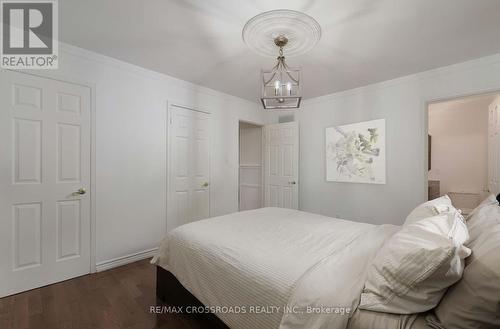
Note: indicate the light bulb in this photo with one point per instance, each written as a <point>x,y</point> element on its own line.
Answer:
<point>277,85</point>
<point>289,88</point>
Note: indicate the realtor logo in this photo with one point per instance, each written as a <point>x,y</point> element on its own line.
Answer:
<point>29,34</point>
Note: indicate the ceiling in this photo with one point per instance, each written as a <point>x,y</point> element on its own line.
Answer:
<point>363,41</point>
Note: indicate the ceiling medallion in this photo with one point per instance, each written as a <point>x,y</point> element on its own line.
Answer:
<point>275,32</point>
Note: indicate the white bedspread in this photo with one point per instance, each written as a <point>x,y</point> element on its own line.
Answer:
<point>257,262</point>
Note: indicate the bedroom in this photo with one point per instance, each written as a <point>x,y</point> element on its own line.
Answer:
<point>133,131</point>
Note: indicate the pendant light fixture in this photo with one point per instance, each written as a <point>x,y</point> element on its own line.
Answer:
<point>274,33</point>
<point>281,85</point>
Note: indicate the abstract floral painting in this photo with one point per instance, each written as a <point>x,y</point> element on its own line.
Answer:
<point>356,152</point>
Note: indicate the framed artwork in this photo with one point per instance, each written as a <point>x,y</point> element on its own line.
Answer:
<point>355,153</point>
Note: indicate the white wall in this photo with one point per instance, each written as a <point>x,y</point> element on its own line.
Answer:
<point>250,166</point>
<point>459,131</point>
<point>131,105</point>
<point>250,144</point>
<point>403,103</point>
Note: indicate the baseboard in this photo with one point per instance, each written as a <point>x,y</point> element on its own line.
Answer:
<point>112,263</point>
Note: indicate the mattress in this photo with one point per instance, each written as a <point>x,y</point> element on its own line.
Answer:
<point>274,268</point>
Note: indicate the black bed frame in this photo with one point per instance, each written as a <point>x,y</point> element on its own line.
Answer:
<point>170,291</point>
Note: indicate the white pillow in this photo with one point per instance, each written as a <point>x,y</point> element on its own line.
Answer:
<point>430,208</point>
<point>489,201</point>
<point>474,302</point>
<point>412,271</point>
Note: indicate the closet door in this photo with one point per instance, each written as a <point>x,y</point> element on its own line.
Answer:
<point>44,179</point>
<point>281,165</point>
<point>189,166</point>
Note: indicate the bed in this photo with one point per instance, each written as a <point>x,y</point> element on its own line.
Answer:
<point>275,268</point>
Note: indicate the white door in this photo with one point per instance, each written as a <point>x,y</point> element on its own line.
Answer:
<point>44,162</point>
<point>281,178</point>
<point>189,183</point>
<point>493,145</point>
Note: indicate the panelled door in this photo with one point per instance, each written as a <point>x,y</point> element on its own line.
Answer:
<point>44,179</point>
<point>189,178</point>
<point>281,165</point>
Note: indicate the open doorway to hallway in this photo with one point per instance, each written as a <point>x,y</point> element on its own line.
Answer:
<point>251,167</point>
<point>463,149</point>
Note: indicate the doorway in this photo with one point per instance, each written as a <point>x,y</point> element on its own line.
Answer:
<point>463,149</point>
<point>250,166</point>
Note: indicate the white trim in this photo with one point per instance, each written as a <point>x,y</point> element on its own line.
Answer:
<point>147,73</point>
<point>168,164</point>
<point>189,107</point>
<point>168,121</point>
<point>93,185</point>
<point>251,185</point>
<point>410,78</point>
<point>120,261</point>
<point>250,165</point>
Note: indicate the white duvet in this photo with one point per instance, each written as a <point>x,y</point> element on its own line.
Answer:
<point>274,268</point>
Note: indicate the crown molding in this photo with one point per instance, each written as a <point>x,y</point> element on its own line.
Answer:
<point>85,54</point>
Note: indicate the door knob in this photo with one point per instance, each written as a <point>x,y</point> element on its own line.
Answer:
<point>292,183</point>
<point>205,184</point>
<point>81,191</point>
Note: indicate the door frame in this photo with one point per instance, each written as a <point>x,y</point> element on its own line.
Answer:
<point>425,132</point>
<point>168,153</point>
<point>52,75</point>
<point>262,154</point>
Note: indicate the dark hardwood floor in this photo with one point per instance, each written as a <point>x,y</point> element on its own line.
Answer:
<point>116,299</point>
